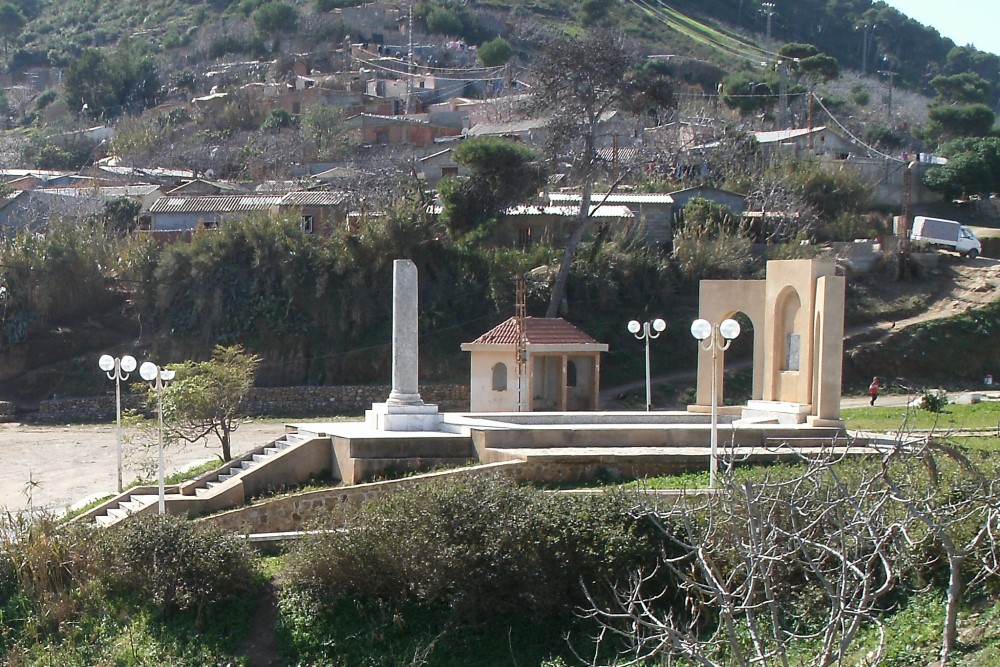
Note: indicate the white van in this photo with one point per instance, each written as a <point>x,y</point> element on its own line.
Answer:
<point>946,234</point>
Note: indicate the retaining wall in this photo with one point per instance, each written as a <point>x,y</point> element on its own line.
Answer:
<point>261,401</point>
<point>291,513</point>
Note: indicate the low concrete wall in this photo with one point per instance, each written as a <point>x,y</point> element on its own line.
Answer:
<point>261,401</point>
<point>292,513</point>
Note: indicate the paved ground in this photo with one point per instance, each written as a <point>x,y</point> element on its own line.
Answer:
<point>53,467</point>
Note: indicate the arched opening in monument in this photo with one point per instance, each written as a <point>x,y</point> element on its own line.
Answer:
<point>786,355</point>
<point>737,364</point>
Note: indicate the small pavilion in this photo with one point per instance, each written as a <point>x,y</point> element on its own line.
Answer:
<point>562,368</point>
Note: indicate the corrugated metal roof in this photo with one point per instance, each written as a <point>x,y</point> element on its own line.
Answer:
<point>110,191</point>
<point>215,204</point>
<point>538,331</point>
<point>615,198</point>
<point>604,211</point>
<point>310,198</point>
<point>785,135</point>
<point>507,128</point>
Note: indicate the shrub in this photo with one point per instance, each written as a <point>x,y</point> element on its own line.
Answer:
<point>699,254</point>
<point>176,565</point>
<point>479,545</point>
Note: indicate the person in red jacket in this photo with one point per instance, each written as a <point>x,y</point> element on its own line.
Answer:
<point>873,390</point>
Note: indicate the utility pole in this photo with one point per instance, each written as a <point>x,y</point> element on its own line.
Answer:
<point>409,56</point>
<point>867,30</point>
<point>769,10</point>
<point>783,94</point>
<point>888,105</point>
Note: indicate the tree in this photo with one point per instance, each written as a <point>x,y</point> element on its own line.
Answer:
<point>946,121</point>
<point>964,88</point>
<point>504,172</point>
<point>109,86</point>
<point>275,17</point>
<point>494,52</point>
<point>578,80</point>
<point>324,125</point>
<point>121,215</point>
<point>205,398</point>
<point>11,23</point>
<point>729,588</point>
<point>749,92</point>
<point>973,167</point>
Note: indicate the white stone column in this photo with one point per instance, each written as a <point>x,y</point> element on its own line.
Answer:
<point>405,346</point>
<point>404,410</point>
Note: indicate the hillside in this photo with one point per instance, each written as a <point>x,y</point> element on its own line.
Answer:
<point>250,98</point>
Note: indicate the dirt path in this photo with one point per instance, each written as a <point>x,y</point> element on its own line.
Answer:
<point>53,467</point>
<point>966,283</point>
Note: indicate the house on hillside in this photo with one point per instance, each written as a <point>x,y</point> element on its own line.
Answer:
<point>533,131</point>
<point>29,179</point>
<point>562,368</point>
<point>108,172</point>
<point>734,201</point>
<point>202,187</point>
<point>432,168</point>
<point>413,130</point>
<point>174,216</point>
<point>524,226</point>
<point>802,142</point>
<point>652,213</point>
<point>320,211</point>
<point>33,209</point>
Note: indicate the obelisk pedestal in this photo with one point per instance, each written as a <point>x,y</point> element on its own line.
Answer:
<point>404,410</point>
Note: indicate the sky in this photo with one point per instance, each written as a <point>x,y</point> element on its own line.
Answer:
<point>963,21</point>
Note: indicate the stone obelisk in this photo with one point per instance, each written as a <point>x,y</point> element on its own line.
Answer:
<point>404,410</point>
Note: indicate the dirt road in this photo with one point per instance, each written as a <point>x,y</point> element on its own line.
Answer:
<point>53,467</point>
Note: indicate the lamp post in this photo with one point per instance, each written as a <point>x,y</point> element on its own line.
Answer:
<point>647,329</point>
<point>117,370</point>
<point>158,378</point>
<point>715,338</point>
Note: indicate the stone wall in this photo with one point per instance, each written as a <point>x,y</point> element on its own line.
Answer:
<point>293,513</point>
<point>7,410</point>
<point>261,401</point>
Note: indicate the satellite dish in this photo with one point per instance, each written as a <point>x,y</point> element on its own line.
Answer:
<point>209,173</point>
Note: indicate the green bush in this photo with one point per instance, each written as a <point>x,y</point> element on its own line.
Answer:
<point>174,565</point>
<point>479,545</point>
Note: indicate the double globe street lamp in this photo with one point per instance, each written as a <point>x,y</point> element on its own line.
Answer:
<point>647,330</point>
<point>716,338</point>
<point>158,378</point>
<point>118,369</point>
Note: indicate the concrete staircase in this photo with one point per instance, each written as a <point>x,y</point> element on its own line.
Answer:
<point>239,466</point>
<point>293,459</point>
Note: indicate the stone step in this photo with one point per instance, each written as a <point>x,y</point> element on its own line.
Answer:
<point>246,465</point>
<point>104,520</point>
<point>117,513</point>
<point>271,450</point>
<point>259,458</point>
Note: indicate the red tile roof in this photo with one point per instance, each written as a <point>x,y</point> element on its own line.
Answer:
<point>540,331</point>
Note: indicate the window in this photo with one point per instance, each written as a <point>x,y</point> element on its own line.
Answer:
<point>570,374</point>
<point>307,224</point>
<point>500,377</point>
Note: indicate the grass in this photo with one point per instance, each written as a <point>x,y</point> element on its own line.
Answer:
<point>983,416</point>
